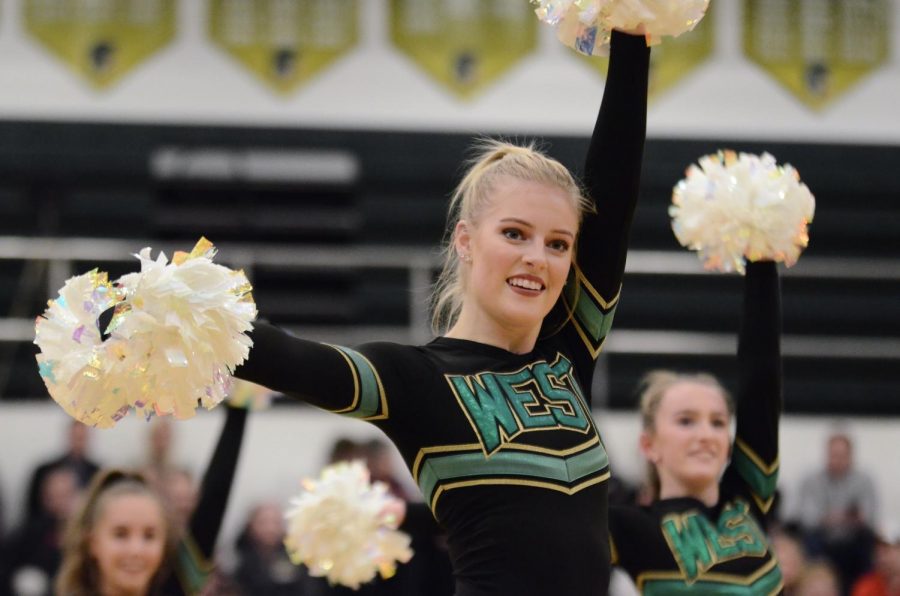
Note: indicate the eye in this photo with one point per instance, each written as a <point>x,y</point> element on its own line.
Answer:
<point>120,532</point>
<point>684,421</point>
<point>513,233</point>
<point>559,245</point>
<point>150,534</point>
<point>720,423</point>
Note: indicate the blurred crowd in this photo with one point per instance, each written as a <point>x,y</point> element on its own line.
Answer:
<point>831,544</point>
<point>31,550</point>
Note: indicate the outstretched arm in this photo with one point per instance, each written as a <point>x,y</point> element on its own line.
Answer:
<point>759,403</point>
<point>334,378</point>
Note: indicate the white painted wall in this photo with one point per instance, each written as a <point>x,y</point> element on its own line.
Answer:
<point>284,444</point>
<point>375,87</point>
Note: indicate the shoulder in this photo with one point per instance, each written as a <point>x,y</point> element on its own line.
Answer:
<point>387,352</point>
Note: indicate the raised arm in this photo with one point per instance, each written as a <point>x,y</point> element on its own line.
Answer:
<point>195,551</point>
<point>755,457</point>
<point>612,179</point>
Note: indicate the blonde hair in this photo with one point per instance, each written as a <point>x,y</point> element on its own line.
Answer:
<point>78,574</point>
<point>491,160</point>
<point>653,387</point>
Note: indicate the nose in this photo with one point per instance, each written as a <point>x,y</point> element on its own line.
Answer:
<point>708,431</point>
<point>534,256</point>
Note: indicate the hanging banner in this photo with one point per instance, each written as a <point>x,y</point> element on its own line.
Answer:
<point>818,49</point>
<point>284,42</point>
<point>465,45</point>
<point>674,58</point>
<point>101,40</point>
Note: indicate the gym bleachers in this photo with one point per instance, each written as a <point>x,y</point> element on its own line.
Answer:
<point>338,231</point>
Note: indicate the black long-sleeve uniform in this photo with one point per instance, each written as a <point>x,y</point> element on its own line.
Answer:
<point>503,445</point>
<point>194,558</point>
<point>680,546</point>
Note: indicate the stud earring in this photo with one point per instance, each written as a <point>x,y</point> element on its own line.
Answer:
<point>465,257</point>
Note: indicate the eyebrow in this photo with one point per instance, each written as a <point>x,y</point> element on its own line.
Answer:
<point>528,225</point>
<point>697,412</point>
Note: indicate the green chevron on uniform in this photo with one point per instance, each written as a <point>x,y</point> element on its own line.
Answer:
<point>465,466</point>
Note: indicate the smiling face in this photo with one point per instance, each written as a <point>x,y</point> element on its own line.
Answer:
<point>690,440</point>
<point>516,257</point>
<point>128,543</point>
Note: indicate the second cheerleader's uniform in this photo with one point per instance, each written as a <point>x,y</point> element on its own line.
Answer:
<point>502,445</point>
<point>680,546</point>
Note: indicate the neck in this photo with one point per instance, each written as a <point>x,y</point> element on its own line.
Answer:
<point>107,590</point>
<point>485,330</point>
<point>707,494</point>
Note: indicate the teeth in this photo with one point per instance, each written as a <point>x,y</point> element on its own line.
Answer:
<point>525,283</point>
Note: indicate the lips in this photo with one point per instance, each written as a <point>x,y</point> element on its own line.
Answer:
<point>528,283</point>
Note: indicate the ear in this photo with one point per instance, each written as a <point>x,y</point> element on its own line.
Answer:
<point>648,447</point>
<point>462,238</point>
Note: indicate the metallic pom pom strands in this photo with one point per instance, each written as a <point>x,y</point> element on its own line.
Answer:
<point>342,529</point>
<point>176,334</point>
<point>734,207</point>
<point>587,25</point>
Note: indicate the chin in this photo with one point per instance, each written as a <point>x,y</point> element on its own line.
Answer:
<point>523,317</point>
<point>134,585</point>
<point>702,479</point>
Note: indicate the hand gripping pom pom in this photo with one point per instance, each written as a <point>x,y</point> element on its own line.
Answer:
<point>340,527</point>
<point>177,332</point>
<point>248,396</point>
<point>736,207</point>
<point>586,25</point>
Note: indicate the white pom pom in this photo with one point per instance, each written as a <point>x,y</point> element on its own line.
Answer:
<point>341,527</point>
<point>735,207</point>
<point>659,17</point>
<point>586,25</point>
<point>578,24</point>
<point>178,331</point>
<point>185,329</point>
<point>75,361</point>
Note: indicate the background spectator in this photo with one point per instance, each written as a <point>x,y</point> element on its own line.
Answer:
<point>839,508</point>
<point>819,579</point>
<point>33,552</point>
<point>75,458</point>
<point>264,568</point>
<point>884,579</point>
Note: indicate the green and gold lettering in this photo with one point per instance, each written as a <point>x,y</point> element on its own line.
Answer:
<point>487,407</point>
<point>687,539</point>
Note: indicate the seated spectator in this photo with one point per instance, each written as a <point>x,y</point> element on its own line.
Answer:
<point>819,579</point>
<point>345,449</point>
<point>159,451</point>
<point>379,458</point>
<point>884,579</point>
<point>264,568</point>
<point>34,550</point>
<point>839,509</point>
<point>428,572</point>
<point>75,458</point>
<point>180,493</point>
<point>791,555</point>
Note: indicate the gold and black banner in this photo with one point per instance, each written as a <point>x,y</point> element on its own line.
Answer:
<point>465,45</point>
<point>284,43</point>
<point>818,49</point>
<point>101,40</point>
